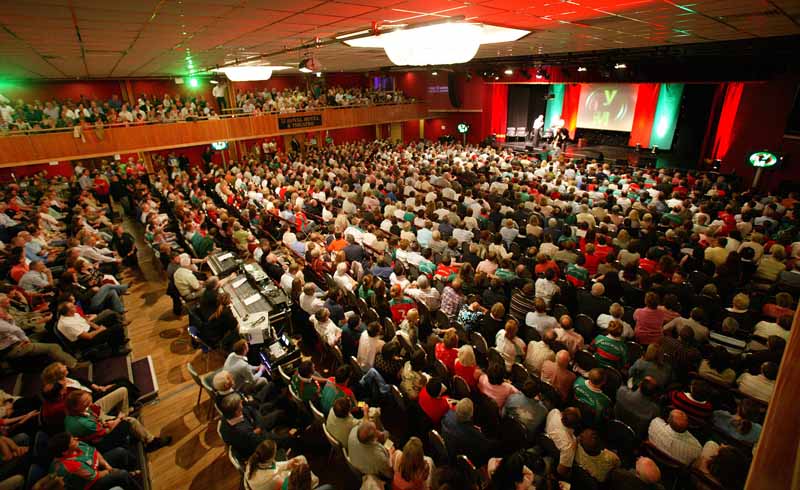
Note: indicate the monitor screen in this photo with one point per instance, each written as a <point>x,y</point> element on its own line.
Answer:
<point>607,106</point>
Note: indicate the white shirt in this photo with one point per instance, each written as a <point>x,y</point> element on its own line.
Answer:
<point>73,326</point>
<point>327,331</point>
<point>185,281</point>
<point>310,303</point>
<point>681,446</point>
<point>545,289</point>
<point>562,437</point>
<point>756,386</point>
<point>540,321</point>
<point>604,319</point>
<point>368,347</point>
<point>538,352</point>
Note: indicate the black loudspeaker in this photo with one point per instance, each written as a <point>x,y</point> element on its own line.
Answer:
<point>452,90</point>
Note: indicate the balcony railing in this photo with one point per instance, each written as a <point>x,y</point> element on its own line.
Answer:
<point>41,146</point>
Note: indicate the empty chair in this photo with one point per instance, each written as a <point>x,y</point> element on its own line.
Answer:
<point>519,375</point>
<point>635,351</point>
<point>584,325</point>
<point>513,434</point>
<point>559,310</point>
<point>460,388</point>
<point>622,439</point>
<point>440,370</point>
<point>584,360</point>
<point>389,329</point>
<point>468,469</point>
<point>336,446</point>
<point>204,386</point>
<point>439,453</point>
<point>479,343</point>
<point>613,382</point>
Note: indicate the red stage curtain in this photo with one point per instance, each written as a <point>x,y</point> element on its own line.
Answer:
<point>495,108</point>
<point>644,114</point>
<point>569,108</point>
<point>727,118</point>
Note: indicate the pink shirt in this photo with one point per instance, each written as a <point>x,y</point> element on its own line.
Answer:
<point>561,379</point>
<point>498,393</point>
<point>648,325</point>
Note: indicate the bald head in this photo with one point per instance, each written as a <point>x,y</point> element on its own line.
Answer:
<point>647,470</point>
<point>678,421</point>
<point>562,359</point>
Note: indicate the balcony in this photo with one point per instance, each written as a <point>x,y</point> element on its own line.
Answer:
<point>44,146</point>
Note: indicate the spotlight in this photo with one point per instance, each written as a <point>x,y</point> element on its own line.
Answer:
<point>542,73</point>
<point>193,82</point>
<point>581,68</point>
<point>509,71</point>
<point>468,76</point>
<point>434,73</point>
<point>319,74</point>
<point>525,74</point>
<point>620,66</point>
<point>716,165</point>
<point>496,77</point>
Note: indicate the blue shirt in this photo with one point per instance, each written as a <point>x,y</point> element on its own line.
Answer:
<point>722,422</point>
<point>32,250</point>
<point>530,413</point>
<point>424,237</point>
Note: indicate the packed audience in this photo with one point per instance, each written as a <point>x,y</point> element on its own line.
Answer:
<point>293,100</point>
<point>469,317</point>
<point>20,115</point>
<point>66,268</point>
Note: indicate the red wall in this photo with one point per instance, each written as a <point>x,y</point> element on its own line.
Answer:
<point>42,91</point>
<point>347,80</point>
<point>760,122</point>
<point>433,127</point>
<point>61,169</point>
<point>353,134</point>
<point>410,131</point>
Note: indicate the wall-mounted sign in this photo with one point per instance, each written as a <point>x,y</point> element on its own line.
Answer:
<point>295,122</point>
<point>219,145</point>
<point>763,159</point>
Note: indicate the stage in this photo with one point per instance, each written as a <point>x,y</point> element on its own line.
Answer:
<point>619,155</point>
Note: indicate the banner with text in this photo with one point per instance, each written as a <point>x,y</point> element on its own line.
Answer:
<point>296,122</point>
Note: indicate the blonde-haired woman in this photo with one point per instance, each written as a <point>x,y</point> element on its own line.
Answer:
<point>412,469</point>
<point>466,366</point>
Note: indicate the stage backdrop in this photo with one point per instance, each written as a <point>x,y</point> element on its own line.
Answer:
<point>608,106</point>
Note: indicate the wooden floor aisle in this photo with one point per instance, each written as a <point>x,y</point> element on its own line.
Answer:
<point>196,459</point>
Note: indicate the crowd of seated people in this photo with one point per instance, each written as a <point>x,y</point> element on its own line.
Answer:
<point>296,99</point>
<point>549,319</point>
<point>66,268</point>
<point>87,111</point>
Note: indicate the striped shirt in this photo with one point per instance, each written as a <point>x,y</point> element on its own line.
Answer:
<point>611,352</point>
<point>699,412</point>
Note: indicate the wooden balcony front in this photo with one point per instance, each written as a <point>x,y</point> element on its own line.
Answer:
<point>45,146</point>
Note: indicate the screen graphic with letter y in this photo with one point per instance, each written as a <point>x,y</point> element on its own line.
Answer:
<point>607,106</point>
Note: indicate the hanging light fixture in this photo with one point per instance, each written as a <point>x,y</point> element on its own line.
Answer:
<point>250,72</point>
<point>437,44</point>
